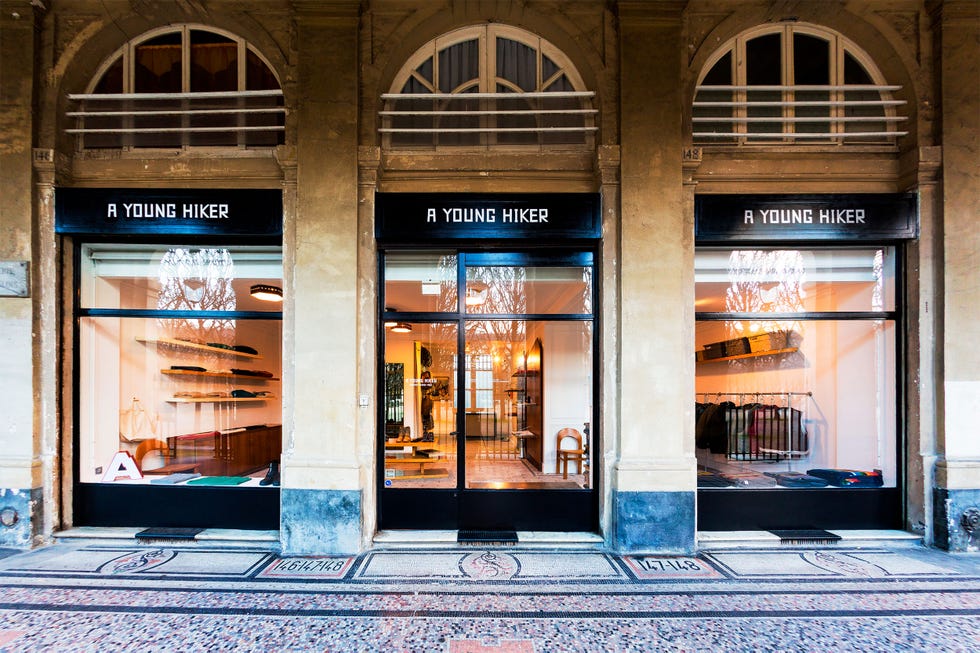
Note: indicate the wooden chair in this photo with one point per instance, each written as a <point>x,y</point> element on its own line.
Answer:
<point>575,454</point>
<point>146,446</point>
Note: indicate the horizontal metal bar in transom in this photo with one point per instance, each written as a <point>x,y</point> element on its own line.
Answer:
<point>209,95</point>
<point>477,130</point>
<point>800,87</point>
<point>798,119</point>
<point>171,112</point>
<point>797,135</point>
<point>487,96</point>
<point>503,112</point>
<point>164,130</point>
<point>802,103</point>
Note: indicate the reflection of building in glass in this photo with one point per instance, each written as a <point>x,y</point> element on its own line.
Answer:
<point>197,280</point>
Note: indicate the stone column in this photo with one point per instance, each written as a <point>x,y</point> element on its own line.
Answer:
<point>322,480</point>
<point>956,498</point>
<point>654,495</point>
<point>21,475</point>
<point>608,165</point>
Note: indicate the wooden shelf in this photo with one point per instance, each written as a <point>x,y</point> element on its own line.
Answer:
<point>218,375</point>
<point>423,473</point>
<point>754,354</point>
<point>183,344</point>
<point>214,400</point>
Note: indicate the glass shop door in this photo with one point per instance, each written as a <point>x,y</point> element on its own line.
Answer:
<point>487,385</point>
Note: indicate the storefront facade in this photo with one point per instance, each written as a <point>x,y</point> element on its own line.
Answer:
<point>520,251</point>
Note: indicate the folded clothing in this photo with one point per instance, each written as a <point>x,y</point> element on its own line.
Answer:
<point>220,345</point>
<point>218,480</point>
<point>173,479</point>
<point>797,479</point>
<point>713,479</point>
<point>245,349</point>
<point>849,477</point>
<point>242,393</point>
<point>188,368</point>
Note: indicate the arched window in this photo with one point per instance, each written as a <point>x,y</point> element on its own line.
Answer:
<point>487,85</point>
<point>793,83</point>
<point>181,86</point>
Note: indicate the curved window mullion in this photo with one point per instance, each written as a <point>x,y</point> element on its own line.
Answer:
<point>509,111</point>
<point>826,92</point>
<point>179,87</point>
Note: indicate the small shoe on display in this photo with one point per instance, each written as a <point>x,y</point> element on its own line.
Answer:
<point>271,476</point>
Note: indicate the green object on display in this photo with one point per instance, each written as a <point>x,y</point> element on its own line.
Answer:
<point>218,480</point>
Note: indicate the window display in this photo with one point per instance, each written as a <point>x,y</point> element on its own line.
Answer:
<point>796,368</point>
<point>179,365</point>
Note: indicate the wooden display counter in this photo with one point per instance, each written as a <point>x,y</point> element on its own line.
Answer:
<point>232,452</point>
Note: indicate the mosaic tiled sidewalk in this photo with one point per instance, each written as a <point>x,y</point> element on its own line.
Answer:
<point>172,598</point>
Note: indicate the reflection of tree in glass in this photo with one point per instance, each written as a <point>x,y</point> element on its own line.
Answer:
<point>502,289</point>
<point>446,270</point>
<point>765,282</point>
<point>586,290</point>
<point>197,280</point>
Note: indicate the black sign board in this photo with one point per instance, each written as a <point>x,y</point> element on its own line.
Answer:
<point>805,217</point>
<point>210,212</point>
<point>445,217</point>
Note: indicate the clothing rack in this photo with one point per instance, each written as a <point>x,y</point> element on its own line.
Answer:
<point>753,394</point>
<point>754,426</point>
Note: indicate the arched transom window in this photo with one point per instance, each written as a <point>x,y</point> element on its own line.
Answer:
<point>487,85</point>
<point>181,86</point>
<point>793,83</point>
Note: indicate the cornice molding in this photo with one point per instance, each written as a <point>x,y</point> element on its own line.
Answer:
<point>327,10</point>
<point>651,12</point>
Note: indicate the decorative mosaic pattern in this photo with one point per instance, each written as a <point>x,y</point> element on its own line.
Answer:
<point>488,565</point>
<point>669,567</point>
<point>310,568</point>
<point>136,561</point>
<point>823,563</point>
<point>483,600</point>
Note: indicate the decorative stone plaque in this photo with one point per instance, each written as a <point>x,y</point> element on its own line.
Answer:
<point>14,279</point>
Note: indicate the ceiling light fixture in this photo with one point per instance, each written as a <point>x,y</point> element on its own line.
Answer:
<point>390,323</point>
<point>402,327</point>
<point>266,292</point>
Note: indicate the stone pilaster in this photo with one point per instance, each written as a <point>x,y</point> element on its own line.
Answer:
<point>654,495</point>
<point>322,477</point>
<point>957,480</point>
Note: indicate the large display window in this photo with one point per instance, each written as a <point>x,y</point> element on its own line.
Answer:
<point>179,365</point>
<point>796,368</point>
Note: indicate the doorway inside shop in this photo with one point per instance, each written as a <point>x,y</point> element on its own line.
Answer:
<point>487,380</point>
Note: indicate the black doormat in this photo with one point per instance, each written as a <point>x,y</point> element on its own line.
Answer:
<point>166,533</point>
<point>487,537</point>
<point>806,536</point>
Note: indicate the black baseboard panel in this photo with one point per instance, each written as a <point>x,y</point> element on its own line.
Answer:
<point>825,508</point>
<point>250,508</point>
